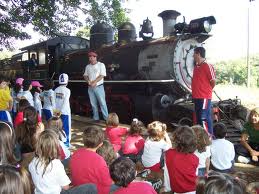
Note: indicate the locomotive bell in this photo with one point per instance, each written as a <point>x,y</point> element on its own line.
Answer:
<point>146,31</point>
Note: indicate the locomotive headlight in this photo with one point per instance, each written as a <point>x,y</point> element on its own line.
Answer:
<point>201,25</point>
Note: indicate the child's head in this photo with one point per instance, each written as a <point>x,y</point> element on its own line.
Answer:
<point>107,152</point>
<point>136,127</point>
<point>63,79</point>
<point>48,84</point>
<point>27,85</point>
<point>93,137</point>
<point>253,188</point>
<point>36,87</point>
<point>7,143</point>
<point>23,103</point>
<point>14,180</point>
<point>3,82</point>
<point>203,139</point>
<point>184,139</point>
<point>220,130</point>
<point>156,130</point>
<point>220,183</point>
<point>56,124</point>
<point>123,171</point>
<point>47,148</point>
<point>30,116</point>
<point>112,120</point>
<point>254,116</point>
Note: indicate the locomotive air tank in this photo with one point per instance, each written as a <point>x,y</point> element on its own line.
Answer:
<point>148,79</point>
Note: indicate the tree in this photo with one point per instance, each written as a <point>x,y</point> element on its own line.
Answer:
<point>56,16</point>
<point>108,11</point>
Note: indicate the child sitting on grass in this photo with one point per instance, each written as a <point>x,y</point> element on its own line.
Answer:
<point>203,150</point>
<point>180,162</point>
<point>134,142</point>
<point>156,144</point>
<point>113,132</point>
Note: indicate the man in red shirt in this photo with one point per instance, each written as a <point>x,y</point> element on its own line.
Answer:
<point>203,82</point>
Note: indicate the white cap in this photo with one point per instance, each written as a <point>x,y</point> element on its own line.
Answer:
<point>63,78</point>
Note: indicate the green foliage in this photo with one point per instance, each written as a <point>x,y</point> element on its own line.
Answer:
<point>84,32</point>
<point>51,17</point>
<point>108,11</point>
<point>45,16</point>
<point>235,71</point>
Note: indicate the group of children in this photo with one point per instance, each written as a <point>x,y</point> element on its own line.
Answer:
<point>107,162</point>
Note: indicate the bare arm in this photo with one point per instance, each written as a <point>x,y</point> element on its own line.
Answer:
<point>94,82</point>
<point>65,187</point>
<point>207,165</point>
<point>212,83</point>
<point>243,142</point>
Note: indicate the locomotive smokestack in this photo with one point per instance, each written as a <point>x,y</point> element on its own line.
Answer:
<point>169,20</point>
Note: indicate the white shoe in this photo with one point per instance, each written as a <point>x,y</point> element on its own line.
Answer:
<point>243,159</point>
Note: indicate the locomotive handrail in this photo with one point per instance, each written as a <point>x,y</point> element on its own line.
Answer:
<point>125,81</point>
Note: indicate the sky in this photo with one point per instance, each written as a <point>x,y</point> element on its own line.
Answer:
<point>229,35</point>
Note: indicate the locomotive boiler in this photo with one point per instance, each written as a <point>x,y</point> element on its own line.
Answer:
<point>148,79</point>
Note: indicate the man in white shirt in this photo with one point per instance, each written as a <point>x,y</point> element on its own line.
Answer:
<point>93,75</point>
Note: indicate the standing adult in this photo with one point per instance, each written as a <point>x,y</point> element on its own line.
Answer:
<point>95,71</point>
<point>203,82</point>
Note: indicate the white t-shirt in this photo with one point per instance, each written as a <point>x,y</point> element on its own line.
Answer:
<point>37,102</point>
<point>53,179</point>
<point>153,151</point>
<point>203,156</point>
<point>48,99</point>
<point>62,95</point>
<point>93,71</point>
<point>28,96</point>
<point>222,154</point>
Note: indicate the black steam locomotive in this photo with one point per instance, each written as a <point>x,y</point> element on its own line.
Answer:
<point>148,79</point>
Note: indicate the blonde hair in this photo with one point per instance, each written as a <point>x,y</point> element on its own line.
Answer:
<point>112,120</point>
<point>47,148</point>
<point>202,138</point>
<point>156,130</point>
<point>56,124</point>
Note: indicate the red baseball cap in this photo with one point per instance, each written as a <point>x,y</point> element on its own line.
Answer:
<point>92,54</point>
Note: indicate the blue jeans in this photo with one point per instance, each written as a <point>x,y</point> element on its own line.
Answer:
<point>97,95</point>
<point>203,114</point>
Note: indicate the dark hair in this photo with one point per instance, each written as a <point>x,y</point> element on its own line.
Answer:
<point>220,130</point>
<point>26,131</point>
<point>184,139</point>
<point>2,78</point>
<point>136,127</point>
<point>201,51</point>
<point>26,85</point>
<point>17,88</point>
<point>34,89</point>
<point>23,103</point>
<point>48,84</point>
<point>123,171</point>
<point>107,152</point>
<point>14,180</point>
<point>203,139</point>
<point>220,183</point>
<point>7,144</point>
<point>93,136</point>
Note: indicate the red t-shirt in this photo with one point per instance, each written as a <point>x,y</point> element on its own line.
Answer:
<point>136,188</point>
<point>133,144</point>
<point>19,119</point>
<point>88,167</point>
<point>114,135</point>
<point>182,169</point>
<point>202,75</point>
